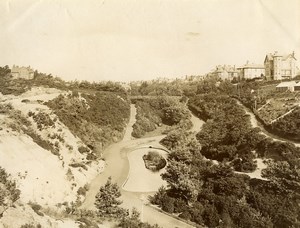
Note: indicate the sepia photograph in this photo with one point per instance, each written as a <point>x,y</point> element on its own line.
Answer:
<point>149,113</point>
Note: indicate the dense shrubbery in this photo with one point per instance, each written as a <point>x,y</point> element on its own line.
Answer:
<point>154,111</point>
<point>213,195</point>
<point>227,134</point>
<point>154,161</point>
<point>42,120</point>
<point>157,88</point>
<point>224,199</point>
<point>8,85</point>
<point>9,193</point>
<point>133,221</point>
<point>97,120</point>
<point>289,125</point>
<point>107,86</point>
<point>254,95</point>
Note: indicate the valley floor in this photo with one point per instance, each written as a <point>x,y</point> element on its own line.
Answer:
<point>118,168</point>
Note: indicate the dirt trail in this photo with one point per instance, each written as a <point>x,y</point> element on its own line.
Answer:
<point>255,123</point>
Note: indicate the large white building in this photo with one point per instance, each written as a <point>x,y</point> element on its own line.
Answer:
<point>251,71</point>
<point>279,66</point>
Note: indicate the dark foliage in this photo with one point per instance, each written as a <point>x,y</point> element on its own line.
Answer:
<point>213,195</point>
<point>97,121</point>
<point>227,134</point>
<point>154,161</point>
<point>289,125</point>
<point>9,193</point>
<point>155,111</point>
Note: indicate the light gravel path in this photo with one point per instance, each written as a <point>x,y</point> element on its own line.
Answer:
<point>118,167</point>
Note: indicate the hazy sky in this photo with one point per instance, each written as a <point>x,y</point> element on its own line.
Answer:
<point>143,39</point>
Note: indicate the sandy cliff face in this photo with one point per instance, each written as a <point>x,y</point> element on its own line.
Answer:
<point>46,178</point>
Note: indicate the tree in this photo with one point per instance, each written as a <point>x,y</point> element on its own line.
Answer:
<point>107,201</point>
<point>179,179</point>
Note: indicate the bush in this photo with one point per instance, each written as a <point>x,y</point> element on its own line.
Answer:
<point>25,101</point>
<point>185,215</point>
<point>36,207</point>
<point>43,120</point>
<point>83,149</point>
<point>154,161</point>
<point>9,193</point>
<point>77,165</point>
<point>168,204</point>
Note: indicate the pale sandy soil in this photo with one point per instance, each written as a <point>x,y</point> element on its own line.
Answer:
<point>40,175</point>
<point>16,217</point>
<point>21,215</point>
<point>129,129</point>
<point>197,123</point>
<point>141,179</point>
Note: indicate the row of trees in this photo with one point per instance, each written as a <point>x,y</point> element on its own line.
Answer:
<point>19,86</point>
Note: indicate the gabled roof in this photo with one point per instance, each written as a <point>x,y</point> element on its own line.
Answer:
<point>271,56</point>
<point>286,84</point>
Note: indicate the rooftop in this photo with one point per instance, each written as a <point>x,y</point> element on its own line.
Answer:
<point>287,84</point>
<point>252,66</point>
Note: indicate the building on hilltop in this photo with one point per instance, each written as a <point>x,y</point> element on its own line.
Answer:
<point>251,71</point>
<point>279,66</point>
<point>22,72</point>
<point>225,72</point>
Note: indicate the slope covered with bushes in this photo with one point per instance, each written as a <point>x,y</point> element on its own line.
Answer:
<point>155,111</point>
<point>289,125</point>
<point>227,134</point>
<point>97,119</point>
<point>210,193</point>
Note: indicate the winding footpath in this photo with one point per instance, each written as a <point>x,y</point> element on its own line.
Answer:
<point>255,123</point>
<point>117,166</point>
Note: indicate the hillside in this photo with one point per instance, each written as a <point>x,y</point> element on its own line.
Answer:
<point>51,159</point>
<point>276,110</point>
<point>72,155</point>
